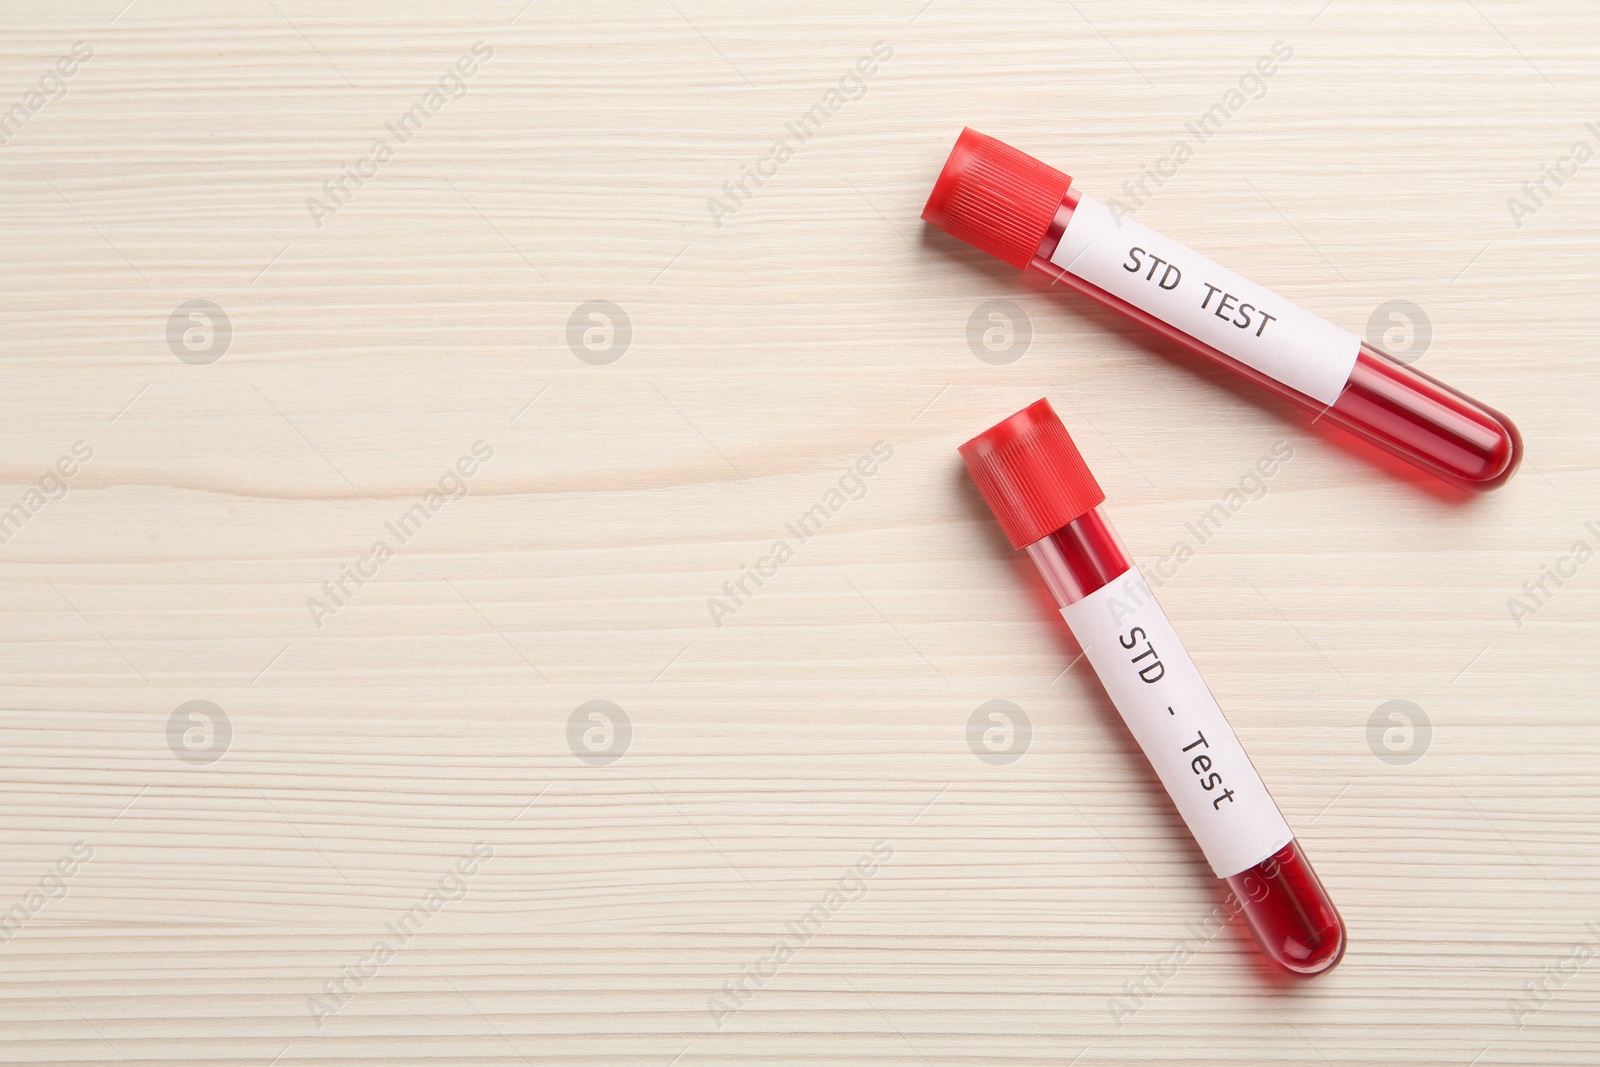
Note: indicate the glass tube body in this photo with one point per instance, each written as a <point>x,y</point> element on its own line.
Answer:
<point>1281,899</point>
<point>1395,407</point>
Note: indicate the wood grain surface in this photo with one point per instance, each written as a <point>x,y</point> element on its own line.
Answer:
<point>396,829</point>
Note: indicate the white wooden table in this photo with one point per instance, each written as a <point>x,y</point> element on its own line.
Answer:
<point>410,756</point>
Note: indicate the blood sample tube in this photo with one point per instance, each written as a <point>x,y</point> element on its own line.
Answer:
<point>1048,503</point>
<point>1026,213</point>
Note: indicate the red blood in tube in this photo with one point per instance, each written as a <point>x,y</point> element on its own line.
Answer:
<point>1048,503</point>
<point>1012,206</point>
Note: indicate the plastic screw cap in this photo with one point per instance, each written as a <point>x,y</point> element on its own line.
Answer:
<point>1031,474</point>
<point>996,198</point>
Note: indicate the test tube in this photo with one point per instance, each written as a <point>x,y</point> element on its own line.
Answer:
<point>1048,503</point>
<point>1026,213</point>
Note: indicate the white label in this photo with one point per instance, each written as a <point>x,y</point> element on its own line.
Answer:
<point>1170,712</point>
<point>1182,288</point>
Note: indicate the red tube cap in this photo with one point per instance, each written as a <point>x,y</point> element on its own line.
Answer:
<point>1031,474</point>
<point>995,198</point>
